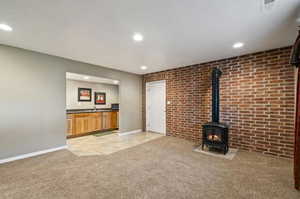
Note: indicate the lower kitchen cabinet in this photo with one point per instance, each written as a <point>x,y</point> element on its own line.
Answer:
<point>115,120</point>
<point>85,123</point>
<point>69,125</point>
<point>106,118</point>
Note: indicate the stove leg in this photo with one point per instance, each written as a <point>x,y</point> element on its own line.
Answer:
<point>226,150</point>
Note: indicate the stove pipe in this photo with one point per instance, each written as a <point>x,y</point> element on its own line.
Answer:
<point>216,73</point>
<point>295,56</point>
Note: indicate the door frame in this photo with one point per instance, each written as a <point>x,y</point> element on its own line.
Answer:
<point>148,84</point>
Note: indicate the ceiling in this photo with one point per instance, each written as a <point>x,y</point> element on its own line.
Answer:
<point>88,78</point>
<point>176,33</point>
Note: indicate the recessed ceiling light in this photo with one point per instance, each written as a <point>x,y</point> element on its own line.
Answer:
<point>238,45</point>
<point>86,77</point>
<point>138,37</point>
<point>5,27</point>
<point>116,82</point>
<point>144,67</point>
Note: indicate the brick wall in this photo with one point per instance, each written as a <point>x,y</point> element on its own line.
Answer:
<point>257,100</point>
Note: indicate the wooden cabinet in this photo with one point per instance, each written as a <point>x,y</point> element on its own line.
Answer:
<point>69,125</point>
<point>92,122</point>
<point>114,120</point>
<point>85,123</point>
<point>106,118</point>
<point>99,122</point>
<point>80,125</point>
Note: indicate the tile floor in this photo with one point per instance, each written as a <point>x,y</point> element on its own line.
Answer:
<point>108,144</point>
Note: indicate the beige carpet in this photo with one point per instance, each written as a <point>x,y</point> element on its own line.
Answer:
<point>163,168</point>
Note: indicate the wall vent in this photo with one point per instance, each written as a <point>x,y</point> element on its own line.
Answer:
<point>267,4</point>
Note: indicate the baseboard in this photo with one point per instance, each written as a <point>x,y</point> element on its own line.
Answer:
<point>130,132</point>
<point>28,155</point>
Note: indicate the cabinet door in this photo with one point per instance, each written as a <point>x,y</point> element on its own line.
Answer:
<point>69,126</point>
<point>104,120</point>
<point>70,122</point>
<point>117,119</point>
<point>94,122</point>
<point>108,120</point>
<point>91,124</point>
<point>81,125</point>
<point>99,121</point>
<point>114,120</point>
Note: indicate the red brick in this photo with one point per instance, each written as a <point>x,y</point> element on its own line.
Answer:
<point>256,100</point>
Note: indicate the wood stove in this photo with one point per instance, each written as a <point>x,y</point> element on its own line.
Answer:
<point>215,134</point>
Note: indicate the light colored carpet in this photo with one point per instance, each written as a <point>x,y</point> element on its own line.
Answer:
<point>162,168</point>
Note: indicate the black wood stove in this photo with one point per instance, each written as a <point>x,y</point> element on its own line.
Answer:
<point>215,134</point>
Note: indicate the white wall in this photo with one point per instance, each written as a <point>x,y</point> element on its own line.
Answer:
<point>112,94</point>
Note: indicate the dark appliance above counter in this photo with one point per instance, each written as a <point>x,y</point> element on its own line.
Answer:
<point>115,106</point>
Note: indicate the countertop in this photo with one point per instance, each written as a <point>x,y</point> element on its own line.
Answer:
<point>74,111</point>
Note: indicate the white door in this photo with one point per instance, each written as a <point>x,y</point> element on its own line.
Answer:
<point>156,106</point>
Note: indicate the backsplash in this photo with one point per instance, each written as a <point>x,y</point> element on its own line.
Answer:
<point>112,94</point>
